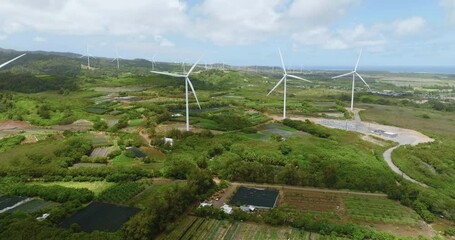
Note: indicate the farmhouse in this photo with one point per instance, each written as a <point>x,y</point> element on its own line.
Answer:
<point>255,198</point>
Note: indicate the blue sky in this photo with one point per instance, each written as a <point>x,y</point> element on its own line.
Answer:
<point>239,32</point>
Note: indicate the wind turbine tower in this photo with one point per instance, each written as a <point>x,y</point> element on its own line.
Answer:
<point>187,83</point>
<point>354,73</point>
<point>153,62</point>
<point>117,58</point>
<point>88,55</point>
<point>285,75</point>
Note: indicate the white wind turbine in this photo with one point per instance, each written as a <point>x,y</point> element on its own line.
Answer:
<point>285,75</point>
<point>153,62</point>
<point>354,73</point>
<point>88,55</point>
<point>12,60</point>
<point>187,82</point>
<point>117,58</point>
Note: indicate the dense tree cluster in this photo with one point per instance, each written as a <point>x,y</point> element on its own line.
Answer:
<point>167,206</point>
<point>308,126</point>
<point>28,83</point>
<point>74,148</point>
<point>54,193</point>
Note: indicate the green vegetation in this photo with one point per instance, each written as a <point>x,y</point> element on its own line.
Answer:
<point>120,193</point>
<point>74,111</point>
<point>206,228</point>
<point>379,210</point>
<point>54,193</point>
<point>96,187</point>
<point>9,142</point>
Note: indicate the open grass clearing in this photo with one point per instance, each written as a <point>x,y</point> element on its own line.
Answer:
<point>96,187</point>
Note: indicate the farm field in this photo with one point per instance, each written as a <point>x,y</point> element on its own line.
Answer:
<point>121,192</point>
<point>350,207</point>
<point>191,227</point>
<point>379,210</point>
<point>142,199</point>
<point>318,203</point>
<point>96,187</point>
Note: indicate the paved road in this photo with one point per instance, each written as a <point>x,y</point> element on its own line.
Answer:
<point>388,158</point>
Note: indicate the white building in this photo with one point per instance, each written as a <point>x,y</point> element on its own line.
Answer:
<point>227,209</point>
<point>169,141</point>
<point>248,208</point>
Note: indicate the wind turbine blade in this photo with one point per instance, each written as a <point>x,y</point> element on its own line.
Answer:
<point>12,60</point>
<point>293,76</point>
<point>168,74</point>
<point>342,75</point>
<point>82,56</point>
<point>358,60</point>
<point>279,82</point>
<point>114,59</point>
<point>282,62</point>
<point>361,78</point>
<point>194,92</point>
<point>191,69</point>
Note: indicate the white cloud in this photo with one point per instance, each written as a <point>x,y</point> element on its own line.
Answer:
<point>319,12</point>
<point>236,21</point>
<point>359,36</point>
<point>449,8</point>
<point>409,26</point>
<point>81,17</point>
<point>233,22</point>
<point>163,42</point>
<point>39,39</point>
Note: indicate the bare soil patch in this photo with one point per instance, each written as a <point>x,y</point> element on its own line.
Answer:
<point>10,124</point>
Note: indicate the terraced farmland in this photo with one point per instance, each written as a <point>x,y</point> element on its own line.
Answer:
<point>350,207</point>
<point>312,201</point>
<point>121,192</point>
<point>379,210</point>
<point>205,228</point>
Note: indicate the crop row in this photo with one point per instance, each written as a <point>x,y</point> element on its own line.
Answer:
<point>121,192</point>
